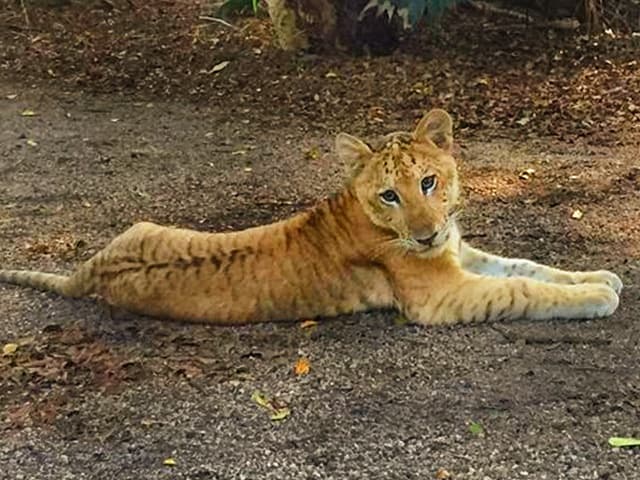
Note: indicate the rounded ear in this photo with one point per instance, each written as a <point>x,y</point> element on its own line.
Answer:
<point>435,127</point>
<point>352,151</point>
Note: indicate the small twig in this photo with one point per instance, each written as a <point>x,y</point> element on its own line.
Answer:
<point>561,24</point>
<point>269,203</point>
<point>217,20</point>
<point>26,15</point>
<point>485,7</point>
<point>97,110</point>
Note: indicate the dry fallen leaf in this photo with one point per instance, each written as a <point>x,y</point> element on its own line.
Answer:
<point>145,422</point>
<point>277,411</point>
<point>28,113</point>
<point>219,66</point>
<point>442,474</point>
<point>577,214</point>
<point>302,366</point>
<point>169,461</point>
<point>19,416</point>
<point>526,174</point>
<point>260,399</point>
<point>280,414</point>
<point>26,341</point>
<point>9,349</point>
<point>308,323</point>
<point>313,153</point>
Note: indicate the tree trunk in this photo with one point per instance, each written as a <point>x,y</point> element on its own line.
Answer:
<point>285,23</point>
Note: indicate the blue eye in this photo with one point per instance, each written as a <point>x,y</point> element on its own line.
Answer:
<point>389,196</point>
<point>428,184</point>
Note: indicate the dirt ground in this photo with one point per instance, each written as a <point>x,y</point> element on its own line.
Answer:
<point>93,143</point>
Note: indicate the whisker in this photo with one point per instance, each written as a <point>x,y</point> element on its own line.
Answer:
<point>455,212</point>
<point>385,247</point>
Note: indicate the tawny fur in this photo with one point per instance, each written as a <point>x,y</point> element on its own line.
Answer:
<point>354,251</point>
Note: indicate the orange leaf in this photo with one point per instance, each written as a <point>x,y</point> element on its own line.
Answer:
<point>302,366</point>
<point>308,323</point>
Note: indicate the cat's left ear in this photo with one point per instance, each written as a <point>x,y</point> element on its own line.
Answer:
<point>436,127</point>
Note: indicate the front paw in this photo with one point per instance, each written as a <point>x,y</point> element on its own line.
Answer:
<point>598,300</point>
<point>602,276</point>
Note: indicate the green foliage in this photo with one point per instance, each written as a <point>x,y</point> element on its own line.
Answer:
<point>410,11</point>
<point>475,428</point>
<point>235,7</point>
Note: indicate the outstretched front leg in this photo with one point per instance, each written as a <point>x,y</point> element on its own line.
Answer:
<point>482,263</point>
<point>444,294</point>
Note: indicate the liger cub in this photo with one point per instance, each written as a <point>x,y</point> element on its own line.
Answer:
<point>388,239</point>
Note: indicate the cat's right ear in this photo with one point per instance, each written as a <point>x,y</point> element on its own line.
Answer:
<point>353,152</point>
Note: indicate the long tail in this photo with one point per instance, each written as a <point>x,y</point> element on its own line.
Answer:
<point>60,284</point>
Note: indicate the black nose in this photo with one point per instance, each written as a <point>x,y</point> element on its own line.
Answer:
<point>427,240</point>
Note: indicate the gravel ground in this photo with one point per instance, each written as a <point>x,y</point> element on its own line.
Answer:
<point>382,400</point>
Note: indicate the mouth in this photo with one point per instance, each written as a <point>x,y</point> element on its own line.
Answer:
<point>426,241</point>
<point>432,242</point>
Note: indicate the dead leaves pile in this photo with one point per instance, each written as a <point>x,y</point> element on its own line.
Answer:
<point>46,375</point>
<point>42,375</point>
<point>39,374</point>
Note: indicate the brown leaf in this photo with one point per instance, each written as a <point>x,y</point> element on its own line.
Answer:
<point>443,474</point>
<point>72,336</point>
<point>189,370</point>
<point>19,416</point>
